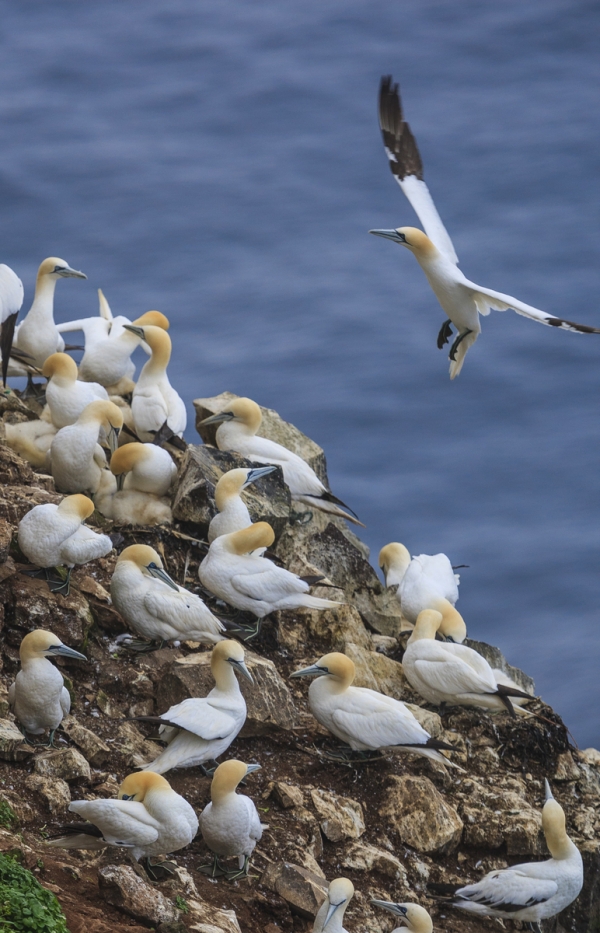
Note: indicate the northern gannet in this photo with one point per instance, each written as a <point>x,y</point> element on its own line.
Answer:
<point>532,891</point>
<point>108,346</point>
<point>330,916</point>
<point>453,674</point>
<point>76,457</point>
<point>65,394</point>
<point>202,728</point>
<point>425,582</point>
<point>144,474</point>
<point>148,818</point>
<point>54,535</point>
<point>241,419</point>
<point>38,335</point>
<point>11,300</point>
<point>463,301</point>
<point>38,697</point>
<point>361,718</point>
<point>230,824</point>
<point>249,581</point>
<point>233,514</point>
<point>31,439</point>
<point>414,917</point>
<point>155,403</point>
<point>154,605</point>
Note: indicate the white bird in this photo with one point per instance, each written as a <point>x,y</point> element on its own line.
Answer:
<point>31,439</point>
<point>155,403</point>
<point>445,673</point>
<point>11,300</point>
<point>76,457</point>
<point>330,916</point>
<point>148,818</point>
<point>415,918</point>
<point>241,419</point>
<point>361,718</point>
<point>233,514</point>
<point>108,346</point>
<point>38,335</point>
<point>54,535</point>
<point>463,301</point>
<point>249,581</point>
<point>154,605</point>
<point>38,697</point>
<point>532,891</point>
<point>145,473</point>
<point>425,582</point>
<point>201,728</point>
<point>230,824</point>
<point>65,394</point>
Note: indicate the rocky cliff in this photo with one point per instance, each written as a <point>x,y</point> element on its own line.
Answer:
<point>392,824</point>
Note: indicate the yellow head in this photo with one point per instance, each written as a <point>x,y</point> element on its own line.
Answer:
<point>394,559</point>
<point>427,625</point>
<point>137,786</point>
<point>249,539</point>
<point>412,238</point>
<point>228,653</point>
<point>336,666</point>
<point>232,483</point>
<point>415,918</point>
<point>154,318</point>
<point>452,626</point>
<point>55,268</point>
<point>148,561</point>
<point>77,505</point>
<point>60,365</point>
<point>42,644</point>
<point>339,895</point>
<point>227,777</point>
<point>125,458</point>
<point>242,410</point>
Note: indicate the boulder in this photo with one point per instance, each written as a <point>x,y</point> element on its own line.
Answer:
<point>12,744</point>
<point>66,764</point>
<point>502,816</point>
<point>324,629</point>
<point>421,816</point>
<point>95,750</point>
<point>378,672</point>
<point>125,890</point>
<point>269,701</point>
<point>205,918</point>
<point>361,857</point>
<point>53,791</point>
<point>16,501</point>
<point>286,795</point>
<point>303,891</point>
<point>566,769</point>
<point>135,747</point>
<point>31,605</point>
<point>341,817</point>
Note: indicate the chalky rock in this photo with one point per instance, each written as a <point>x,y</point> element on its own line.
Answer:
<point>54,791</point>
<point>6,535</point>
<point>378,672</point>
<point>300,888</point>
<point>95,750</point>
<point>325,630</point>
<point>31,605</point>
<point>268,699</point>
<point>496,818</point>
<point>66,764</point>
<point>361,857</point>
<point>205,918</point>
<point>134,746</point>
<point>421,816</point>
<point>12,744</point>
<point>286,795</point>
<point>341,817</point>
<point>125,890</point>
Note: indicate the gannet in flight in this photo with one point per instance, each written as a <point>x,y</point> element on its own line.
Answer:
<point>154,605</point>
<point>241,419</point>
<point>76,457</point>
<point>233,514</point>
<point>148,818</point>
<point>38,697</point>
<point>330,916</point>
<point>145,473</point>
<point>463,301</point>
<point>65,394</point>
<point>38,335</point>
<point>425,582</point>
<point>532,891</point>
<point>453,674</point>
<point>230,824</point>
<point>155,404</point>
<point>414,917</point>
<point>201,728</point>
<point>365,719</point>
<point>11,300</point>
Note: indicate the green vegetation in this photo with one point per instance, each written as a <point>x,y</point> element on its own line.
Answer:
<point>7,815</point>
<point>25,906</point>
<point>181,904</point>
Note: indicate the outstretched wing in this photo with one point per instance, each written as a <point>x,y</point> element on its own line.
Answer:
<point>486,298</point>
<point>507,891</point>
<point>407,167</point>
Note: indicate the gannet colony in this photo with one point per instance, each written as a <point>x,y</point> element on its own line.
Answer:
<point>245,729</point>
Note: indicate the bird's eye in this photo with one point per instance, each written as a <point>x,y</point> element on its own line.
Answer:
<point>127,796</point>
<point>152,566</point>
<point>59,268</point>
<point>402,237</point>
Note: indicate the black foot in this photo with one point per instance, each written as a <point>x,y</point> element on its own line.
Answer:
<point>348,755</point>
<point>160,872</point>
<point>143,645</point>
<point>444,334</point>
<point>456,344</point>
<point>240,873</point>
<point>213,765</point>
<point>213,869</point>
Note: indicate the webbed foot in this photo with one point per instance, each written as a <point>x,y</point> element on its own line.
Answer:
<point>444,334</point>
<point>456,344</point>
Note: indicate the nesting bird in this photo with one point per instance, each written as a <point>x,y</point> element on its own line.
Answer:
<point>154,605</point>
<point>65,394</point>
<point>31,439</point>
<point>237,431</point>
<point>233,514</point>
<point>453,674</point>
<point>148,818</point>
<point>202,728</point>
<point>249,581</point>
<point>414,917</point>
<point>38,697</point>
<point>155,403</point>
<point>145,473</point>
<point>230,824</point>
<point>532,891</point>
<point>76,458</point>
<point>11,300</point>
<point>330,916</point>
<point>463,301</point>
<point>425,582</point>
<point>364,719</point>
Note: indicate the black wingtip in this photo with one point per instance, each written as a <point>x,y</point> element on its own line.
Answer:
<point>405,158</point>
<point>329,497</point>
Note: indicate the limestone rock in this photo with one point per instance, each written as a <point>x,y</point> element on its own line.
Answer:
<point>54,791</point>
<point>310,825</point>
<point>269,701</point>
<point>135,747</point>
<point>301,889</point>
<point>369,858</point>
<point>566,769</point>
<point>421,816</point>
<point>16,501</point>
<point>65,764</point>
<point>430,721</point>
<point>376,671</point>
<point>95,750</point>
<point>204,918</point>
<point>12,745</point>
<point>13,469</point>
<point>6,535</point>
<point>32,605</point>
<point>267,500</point>
<point>342,817</point>
<point>492,819</point>
<point>325,630</point>
<point>287,795</point>
<point>125,890</point>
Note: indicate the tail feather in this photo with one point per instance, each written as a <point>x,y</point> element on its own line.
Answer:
<point>313,602</point>
<point>327,503</point>
<point>457,364</point>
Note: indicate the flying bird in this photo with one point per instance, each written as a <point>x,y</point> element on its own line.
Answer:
<point>463,301</point>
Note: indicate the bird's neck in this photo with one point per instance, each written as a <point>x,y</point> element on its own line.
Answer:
<point>156,367</point>
<point>43,300</point>
<point>221,796</point>
<point>225,678</point>
<point>230,431</point>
